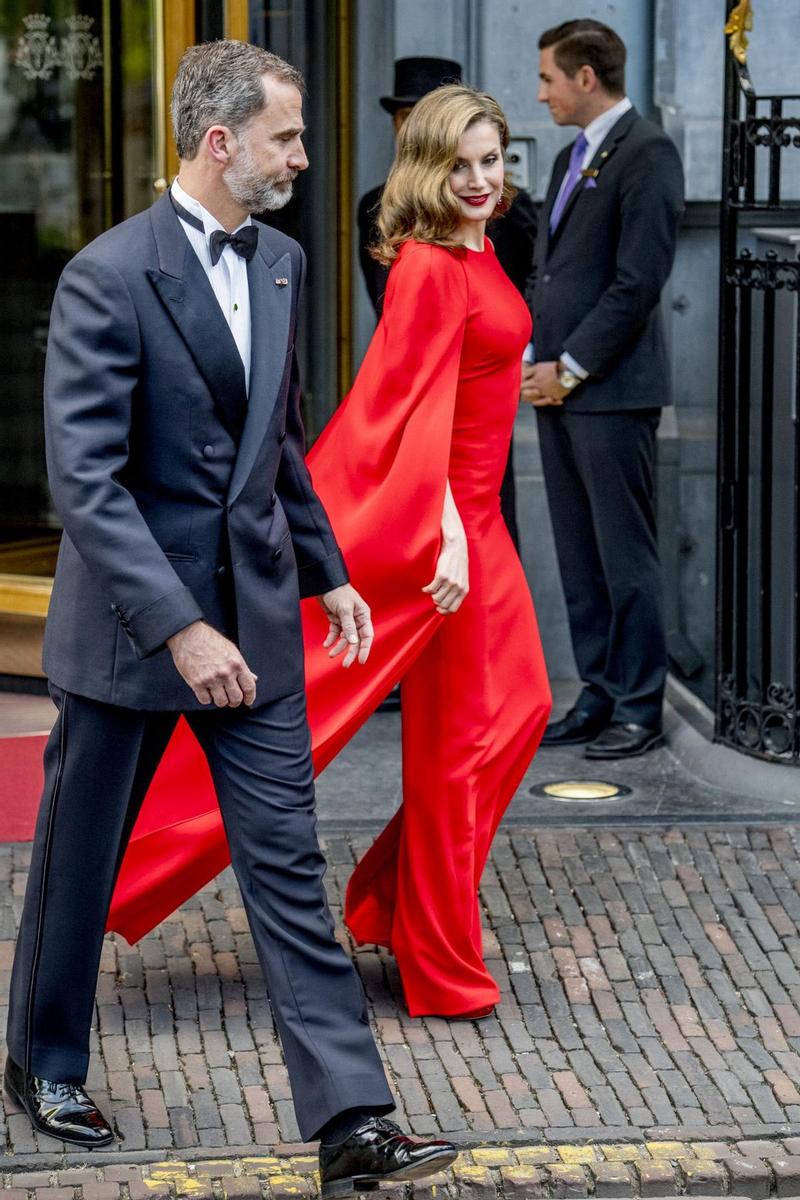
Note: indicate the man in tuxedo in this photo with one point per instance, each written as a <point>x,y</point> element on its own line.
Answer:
<point>176,460</point>
<point>605,250</point>
<point>513,234</point>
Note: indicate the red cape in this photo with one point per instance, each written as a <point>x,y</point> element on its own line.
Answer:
<point>380,468</point>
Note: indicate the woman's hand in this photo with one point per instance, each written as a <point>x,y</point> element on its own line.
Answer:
<point>450,584</point>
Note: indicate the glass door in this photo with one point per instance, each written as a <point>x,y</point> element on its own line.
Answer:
<point>78,146</point>
<point>84,143</point>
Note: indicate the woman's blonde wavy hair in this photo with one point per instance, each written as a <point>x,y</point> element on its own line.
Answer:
<point>418,201</point>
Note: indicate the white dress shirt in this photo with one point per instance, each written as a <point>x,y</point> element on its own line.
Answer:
<point>228,276</point>
<point>595,133</point>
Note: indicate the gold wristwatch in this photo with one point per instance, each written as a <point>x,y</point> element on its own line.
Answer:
<point>568,379</point>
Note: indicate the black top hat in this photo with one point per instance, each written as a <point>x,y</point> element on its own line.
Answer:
<point>415,77</point>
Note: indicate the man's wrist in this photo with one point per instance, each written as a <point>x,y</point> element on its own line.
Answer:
<point>172,640</point>
<point>567,378</point>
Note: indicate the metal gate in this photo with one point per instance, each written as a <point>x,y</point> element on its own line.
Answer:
<point>758,598</point>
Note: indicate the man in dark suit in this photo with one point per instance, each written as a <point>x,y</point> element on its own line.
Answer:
<point>601,376</point>
<point>176,460</point>
<point>413,79</point>
<point>513,234</point>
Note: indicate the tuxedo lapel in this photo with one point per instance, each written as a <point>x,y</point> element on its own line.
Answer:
<point>270,283</point>
<point>619,130</point>
<point>184,289</point>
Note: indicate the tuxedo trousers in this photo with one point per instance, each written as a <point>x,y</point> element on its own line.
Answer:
<point>599,472</point>
<point>99,762</point>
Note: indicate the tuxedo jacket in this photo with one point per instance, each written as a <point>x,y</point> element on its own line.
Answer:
<point>172,512</point>
<point>597,278</point>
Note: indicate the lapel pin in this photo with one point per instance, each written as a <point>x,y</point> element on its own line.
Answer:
<point>281,282</point>
<point>604,154</point>
<point>590,173</point>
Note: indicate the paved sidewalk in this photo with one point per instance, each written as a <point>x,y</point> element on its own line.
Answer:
<point>647,1042</point>
<point>650,992</point>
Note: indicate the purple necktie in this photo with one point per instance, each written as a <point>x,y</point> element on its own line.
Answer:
<point>573,175</point>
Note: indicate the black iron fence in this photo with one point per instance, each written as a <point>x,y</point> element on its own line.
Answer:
<point>758,585</point>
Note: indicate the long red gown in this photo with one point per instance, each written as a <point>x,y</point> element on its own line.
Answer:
<point>435,399</point>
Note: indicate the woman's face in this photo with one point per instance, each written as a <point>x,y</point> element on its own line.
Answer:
<point>477,175</point>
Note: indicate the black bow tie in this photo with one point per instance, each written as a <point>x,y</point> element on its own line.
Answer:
<point>244,242</point>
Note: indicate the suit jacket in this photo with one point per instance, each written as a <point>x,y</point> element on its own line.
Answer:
<point>375,274</point>
<point>597,279</point>
<point>513,236</point>
<point>171,511</point>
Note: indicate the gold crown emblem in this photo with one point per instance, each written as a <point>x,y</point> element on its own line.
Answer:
<point>36,23</point>
<point>80,24</point>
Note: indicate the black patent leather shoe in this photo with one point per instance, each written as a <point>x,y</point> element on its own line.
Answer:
<point>61,1110</point>
<point>623,741</point>
<point>377,1152</point>
<point>573,729</point>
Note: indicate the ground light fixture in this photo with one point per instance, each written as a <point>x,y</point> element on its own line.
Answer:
<point>580,790</point>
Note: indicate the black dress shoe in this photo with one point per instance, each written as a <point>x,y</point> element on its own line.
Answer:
<point>573,729</point>
<point>61,1110</point>
<point>379,1151</point>
<point>624,741</point>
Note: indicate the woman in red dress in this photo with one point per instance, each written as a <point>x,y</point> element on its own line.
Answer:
<point>409,470</point>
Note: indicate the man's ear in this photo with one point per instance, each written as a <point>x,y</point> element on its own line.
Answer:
<point>587,78</point>
<point>218,141</point>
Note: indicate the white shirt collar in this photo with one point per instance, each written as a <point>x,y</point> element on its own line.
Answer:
<point>193,206</point>
<point>598,130</point>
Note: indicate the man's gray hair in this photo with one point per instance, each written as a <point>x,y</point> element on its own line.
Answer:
<point>221,83</point>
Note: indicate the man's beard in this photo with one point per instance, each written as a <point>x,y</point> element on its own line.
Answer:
<point>253,191</point>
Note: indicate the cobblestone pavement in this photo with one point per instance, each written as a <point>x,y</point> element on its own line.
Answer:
<point>651,1000</point>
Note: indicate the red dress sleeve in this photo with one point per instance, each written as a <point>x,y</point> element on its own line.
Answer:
<point>380,469</point>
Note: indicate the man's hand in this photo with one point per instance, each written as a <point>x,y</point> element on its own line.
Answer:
<point>540,386</point>
<point>212,666</point>
<point>350,624</point>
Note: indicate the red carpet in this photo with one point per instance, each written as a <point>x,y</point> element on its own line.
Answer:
<point>20,785</point>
